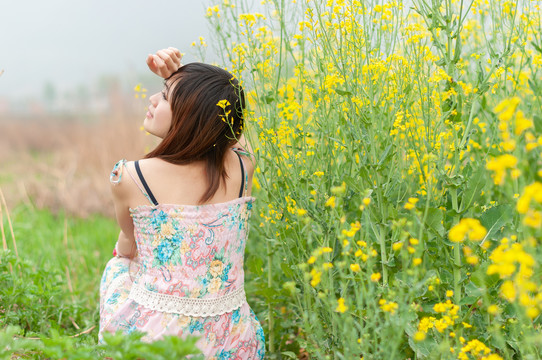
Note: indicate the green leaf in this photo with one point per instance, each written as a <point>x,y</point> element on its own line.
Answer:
<point>385,156</point>
<point>441,62</point>
<point>475,184</point>
<point>434,221</point>
<point>538,48</point>
<point>538,123</point>
<point>534,86</point>
<point>343,92</point>
<point>286,269</point>
<point>289,354</point>
<point>480,280</point>
<point>423,349</point>
<point>495,218</point>
<point>254,264</point>
<point>469,300</point>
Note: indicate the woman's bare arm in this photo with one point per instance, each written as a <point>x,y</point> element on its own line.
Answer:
<point>126,246</point>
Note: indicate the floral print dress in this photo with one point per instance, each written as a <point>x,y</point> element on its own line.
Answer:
<point>187,279</point>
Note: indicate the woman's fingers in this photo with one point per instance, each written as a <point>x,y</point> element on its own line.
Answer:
<point>165,62</point>
<point>175,55</point>
<point>166,58</point>
<point>150,63</point>
<point>160,66</point>
<point>176,51</point>
<point>176,60</point>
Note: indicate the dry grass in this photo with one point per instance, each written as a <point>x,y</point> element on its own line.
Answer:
<point>64,164</point>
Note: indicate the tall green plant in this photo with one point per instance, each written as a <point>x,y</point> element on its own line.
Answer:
<point>394,146</point>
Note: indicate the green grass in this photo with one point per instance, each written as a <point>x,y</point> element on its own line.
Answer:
<point>80,246</point>
<point>63,258</point>
<point>49,293</point>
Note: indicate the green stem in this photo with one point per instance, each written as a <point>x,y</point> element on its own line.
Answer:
<point>457,273</point>
<point>383,255</point>
<point>457,254</point>
<point>270,337</point>
<point>474,110</point>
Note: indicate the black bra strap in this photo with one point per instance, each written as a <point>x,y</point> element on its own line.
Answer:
<point>147,189</point>
<point>242,175</point>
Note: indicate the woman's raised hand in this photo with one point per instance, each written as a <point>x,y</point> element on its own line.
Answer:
<point>165,62</point>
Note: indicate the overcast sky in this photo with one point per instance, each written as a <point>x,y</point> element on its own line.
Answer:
<point>72,42</point>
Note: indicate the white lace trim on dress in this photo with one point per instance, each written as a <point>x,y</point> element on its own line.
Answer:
<point>188,306</point>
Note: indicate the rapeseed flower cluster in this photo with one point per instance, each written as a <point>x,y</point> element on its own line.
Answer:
<point>477,350</point>
<point>500,165</point>
<point>449,314</point>
<point>467,228</point>
<point>388,306</point>
<point>516,267</point>
<point>532,195</point>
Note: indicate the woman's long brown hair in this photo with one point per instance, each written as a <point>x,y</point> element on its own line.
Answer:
<point>201,129</point>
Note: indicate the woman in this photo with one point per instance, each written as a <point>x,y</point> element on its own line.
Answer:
<point>183,211</point>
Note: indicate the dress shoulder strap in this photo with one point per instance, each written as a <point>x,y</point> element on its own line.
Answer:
<point>147,192</point>
<point>244,176</point>
<point>116,174</point>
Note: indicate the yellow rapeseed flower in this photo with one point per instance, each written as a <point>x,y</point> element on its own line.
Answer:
<point>355,267</point>
<point>493,309</point>
<point>467,227</point>
<point>530,193</point>
<point>341,307</point>
<point>419,336</point>
<point>316,277</point>
<point>388,306</point>
<point>426,323</point>
<point>508,291</point>
<point>532,312</point>
<point>522,123</point>
<point>339,190</point>
<point>533,219</point>
<point>478,350</point>
<point>411,203</point>
<point>375,277</point>
<point>330,202</point>
<point>223,103</point>
<point>499,165</point>
<point>507,108</point>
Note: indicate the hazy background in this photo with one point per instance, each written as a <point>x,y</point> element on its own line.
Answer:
<point>57,54</point>
<point>68,110</point>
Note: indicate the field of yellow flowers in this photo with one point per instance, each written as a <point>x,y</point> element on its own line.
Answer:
<point>399,177</point>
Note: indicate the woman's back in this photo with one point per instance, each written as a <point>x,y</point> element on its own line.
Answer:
<point>185,184</point>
